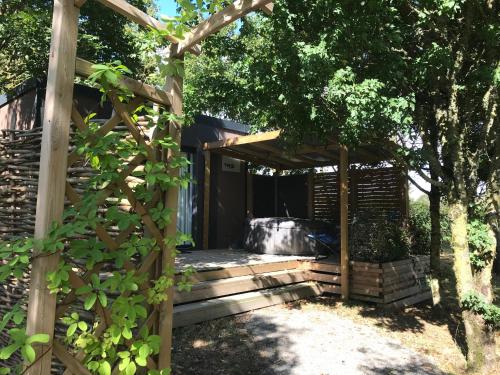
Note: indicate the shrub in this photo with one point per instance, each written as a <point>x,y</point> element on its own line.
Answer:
<point>378,239</point>
<point>419,226</point>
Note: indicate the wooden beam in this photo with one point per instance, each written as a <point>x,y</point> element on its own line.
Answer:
<point>214,23</point>
<point>174,86</point>
<point>84,69</point>
<point>80,3</point>
<point>52,173</point>
<point>206,200</point>
<point>141,18</point>
<point>268,8</point>
<point>254,151</point>
<point>344,223</point>
<point>247,157</point>
<point>246,139</point>
<point>283,155</point>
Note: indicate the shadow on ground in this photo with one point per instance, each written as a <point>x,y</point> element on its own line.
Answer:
<point>224,346</point>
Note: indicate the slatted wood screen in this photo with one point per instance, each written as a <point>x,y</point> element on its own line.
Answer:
<point>382,192</point>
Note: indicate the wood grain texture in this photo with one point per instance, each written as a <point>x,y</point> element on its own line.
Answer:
<point>84,69</point>
<point>344,222</point>
<point>216,22</point>
<point>174,86</point>
<point>52,172</point>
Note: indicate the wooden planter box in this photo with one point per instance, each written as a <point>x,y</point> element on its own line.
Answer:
<point>393,284</point>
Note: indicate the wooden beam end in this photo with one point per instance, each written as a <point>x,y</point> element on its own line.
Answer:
<point>268,9</point>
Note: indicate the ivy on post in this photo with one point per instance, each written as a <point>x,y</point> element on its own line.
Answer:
<point>174,86</point>
<point>52,181</point>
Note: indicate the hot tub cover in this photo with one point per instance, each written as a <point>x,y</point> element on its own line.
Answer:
<point>284,236</point>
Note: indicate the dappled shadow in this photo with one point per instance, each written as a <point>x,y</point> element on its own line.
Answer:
<point>414,368</point>
<point>226,346</point>
<point>412,319</point>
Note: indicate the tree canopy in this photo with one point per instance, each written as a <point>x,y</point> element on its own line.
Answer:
<point>25,38</point>
<point>423,73</point>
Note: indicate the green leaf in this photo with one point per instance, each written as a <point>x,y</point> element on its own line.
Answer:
<point>131,369</point>
<point>28,353</point>
<point>103,299</point>
<point>127,333</point>
<point>144,351</point>
<point>83,326</point>
<point>6,352</point>
<point>90,301</point>
<point>141,361</point>
<point>71,329</point>
<point>105,368</point>
<point>42,338</point>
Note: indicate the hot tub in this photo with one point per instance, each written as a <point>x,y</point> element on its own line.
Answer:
<point>284,236</point>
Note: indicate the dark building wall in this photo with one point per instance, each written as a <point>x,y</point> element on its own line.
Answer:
<point>291,196</point>
<point>227,208</point>
<point>227,193</point>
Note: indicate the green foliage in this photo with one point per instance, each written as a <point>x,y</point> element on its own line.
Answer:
<point>374,239</point>
<point>103,35</point>
<point>477,304</point>
<point>420,227</point>
<point>480,244</point>
<point>126,341</point>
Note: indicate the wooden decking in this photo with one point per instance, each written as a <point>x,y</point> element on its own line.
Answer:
<point>229,282</point>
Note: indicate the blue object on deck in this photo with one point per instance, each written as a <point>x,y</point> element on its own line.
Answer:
<point>324,238</point>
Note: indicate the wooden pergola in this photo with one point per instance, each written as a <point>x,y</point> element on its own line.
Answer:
<point>267,149</point>
<point>53,187</point>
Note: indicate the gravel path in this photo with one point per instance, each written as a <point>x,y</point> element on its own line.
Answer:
<point>320,343</point>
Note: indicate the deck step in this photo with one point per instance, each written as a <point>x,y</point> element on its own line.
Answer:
<point>242,284</point>
<point>197,312</point>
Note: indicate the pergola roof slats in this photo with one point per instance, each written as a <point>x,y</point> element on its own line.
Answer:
<point>266,149</point>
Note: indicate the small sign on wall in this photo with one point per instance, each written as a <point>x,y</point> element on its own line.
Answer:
<point>231,164</point>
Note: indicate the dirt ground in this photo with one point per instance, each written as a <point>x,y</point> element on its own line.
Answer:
<point>430,337</point>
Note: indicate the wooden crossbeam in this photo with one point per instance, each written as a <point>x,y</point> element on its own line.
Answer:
<point>72,364</point>
<point>216,22</point>
<point>141,18</point>
<point>265,154</point>
<point>84,69</point>
<point>246,139</point>
<point>278,152</point>
<point>80,3</point>
<point>268,8</point>
<point>250,158</point>
<point>109,125</point>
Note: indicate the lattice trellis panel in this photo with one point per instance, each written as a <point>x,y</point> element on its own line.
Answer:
<point>112,239</point>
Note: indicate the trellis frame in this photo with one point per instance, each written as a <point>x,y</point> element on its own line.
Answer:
<point>54,161</point>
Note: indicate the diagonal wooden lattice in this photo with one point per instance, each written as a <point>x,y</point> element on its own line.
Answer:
<point>121,116</point>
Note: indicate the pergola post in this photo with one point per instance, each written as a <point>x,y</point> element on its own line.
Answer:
<point>344,223</point>
<point>174,86</point>
<point>206,200</point>
<point>52,173</point>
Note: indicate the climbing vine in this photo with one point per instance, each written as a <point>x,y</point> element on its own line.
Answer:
<point>119,334</point>
<point>113,283</point>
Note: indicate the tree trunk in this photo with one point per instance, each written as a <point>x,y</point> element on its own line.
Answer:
<point>434,207</point>
<point>480,344</point>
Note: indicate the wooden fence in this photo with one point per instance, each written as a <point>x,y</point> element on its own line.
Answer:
<point>395,284</point>
<point>382,192</point>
